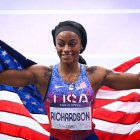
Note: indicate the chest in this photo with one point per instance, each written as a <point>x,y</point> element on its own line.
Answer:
<point>63,92</point>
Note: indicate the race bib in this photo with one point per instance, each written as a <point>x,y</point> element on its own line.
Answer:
<point>71,116</point>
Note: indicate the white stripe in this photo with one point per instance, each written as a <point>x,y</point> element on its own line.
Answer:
<point>6,137</point>
<point>22,121</point>
<point>128,107</point>
<point>62,12</point>
<point>10,96</point>
<point>106,94</point>
<point>13,97</point>
<point>43,119</point>
<point>113,127</point>
<point>136,128</point>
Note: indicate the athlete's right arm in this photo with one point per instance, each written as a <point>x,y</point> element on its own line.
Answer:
<point>17,78</point>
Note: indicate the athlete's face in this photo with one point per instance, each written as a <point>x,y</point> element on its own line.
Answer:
<point>68,46</point>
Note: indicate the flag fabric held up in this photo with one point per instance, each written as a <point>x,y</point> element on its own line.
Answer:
<point>22,114</point>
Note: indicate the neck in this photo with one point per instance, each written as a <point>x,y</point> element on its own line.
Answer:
<point>69,68</point>
<point>69,73</point>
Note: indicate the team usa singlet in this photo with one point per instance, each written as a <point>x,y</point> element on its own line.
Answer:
<point>69,107</point>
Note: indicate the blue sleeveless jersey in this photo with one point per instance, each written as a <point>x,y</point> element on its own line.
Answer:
<point>59,93</point>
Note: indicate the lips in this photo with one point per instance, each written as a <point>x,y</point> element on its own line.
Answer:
<point>67,56</point>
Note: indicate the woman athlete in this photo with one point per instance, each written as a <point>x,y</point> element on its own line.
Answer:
<point>71,87</point>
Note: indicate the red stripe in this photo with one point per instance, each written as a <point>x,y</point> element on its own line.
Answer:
<point>21,132</point>
<point>16,108</point>
<point>47,127</point>
<point>132,97</point>
<point>13,107</point>
<point>127,65</point>
<point>110,136</point>
<point>116,117</point>
<point>102,102</point>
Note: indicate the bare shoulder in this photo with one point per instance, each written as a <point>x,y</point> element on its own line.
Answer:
<point>42,75</point>
<point>100,76</point>
<point>40,72</point>
<point>97,75</point>
<point>96,69</point>
<point>40,67</point>
<point>36,69</point>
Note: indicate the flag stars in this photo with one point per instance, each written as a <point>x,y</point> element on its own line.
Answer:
<point>20,88</point>
<point>33,103</point>
<point>7,61</point>
<point>4,53</point>
<point>19,67</point>
<point>41,109</point>
<point>15,60</point>
<point>27,96</point>
<point>24,102</point>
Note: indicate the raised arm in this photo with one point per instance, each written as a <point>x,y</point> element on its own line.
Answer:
<point>100,76</point>
<point>37,75</point>
<point>122,81</point>
<point>17,77</point>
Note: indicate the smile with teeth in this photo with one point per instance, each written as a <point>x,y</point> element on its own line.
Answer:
<point>66,54</point>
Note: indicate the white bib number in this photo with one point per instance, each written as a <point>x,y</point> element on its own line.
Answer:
<point>71,116</point>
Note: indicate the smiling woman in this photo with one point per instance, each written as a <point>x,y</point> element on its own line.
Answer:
<point>70,40</point>
<point>72,87</point>
<point>68,45</point>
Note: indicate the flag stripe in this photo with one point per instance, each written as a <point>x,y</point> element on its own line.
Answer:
<point>22,132</point>
<point>17,108</point>
<point>113,127</point>
<point>128,65</point>
<point>129,107</point>
<point>22,121</point>
<point>106,94</point>
<point>6,137</point>
<point>136,128</point>
<point>10,96</point>
<point>132,97</point>
<point>112,136</point>
<point>119,117</point>
<point>41,118</point>
<point>14,108</point>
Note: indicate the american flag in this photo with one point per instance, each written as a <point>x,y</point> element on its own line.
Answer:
<point>23,117</point>
<point>117,113</point>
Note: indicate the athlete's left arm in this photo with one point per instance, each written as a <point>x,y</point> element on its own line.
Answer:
<point>121,81</point>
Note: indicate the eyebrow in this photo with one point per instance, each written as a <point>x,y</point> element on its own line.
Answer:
<point>59,39</point>
<point>63,40</point>
<point>73,40</point>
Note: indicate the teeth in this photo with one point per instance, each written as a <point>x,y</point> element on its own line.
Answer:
<point>67,54</point>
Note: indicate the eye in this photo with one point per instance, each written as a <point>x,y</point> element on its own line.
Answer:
<point>60,44</point>
<point>72,44</point>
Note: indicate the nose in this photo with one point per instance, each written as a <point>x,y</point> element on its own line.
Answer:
<point>66,47</point>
